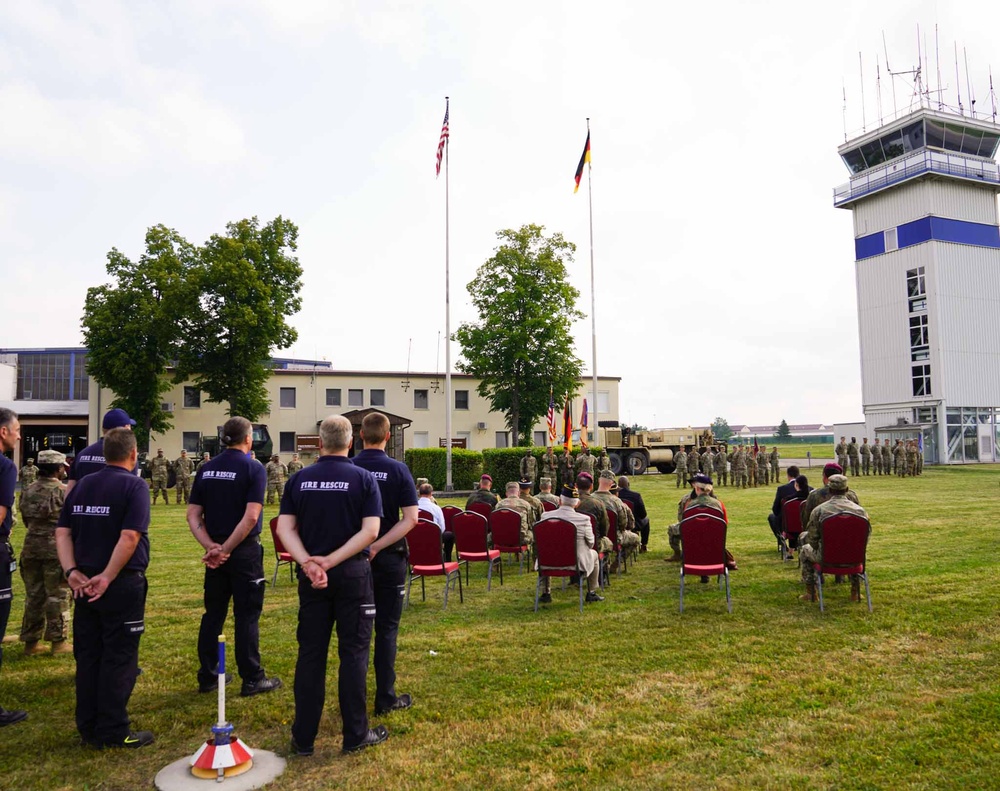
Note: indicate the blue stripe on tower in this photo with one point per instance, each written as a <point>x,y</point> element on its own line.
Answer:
<point>927,229</point>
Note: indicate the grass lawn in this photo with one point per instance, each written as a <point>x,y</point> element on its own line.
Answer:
<point>630,694</point>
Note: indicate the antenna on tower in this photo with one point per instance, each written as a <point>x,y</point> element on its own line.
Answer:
<point>937,66</point>
<point>878,90</point>
<point>891,75</point>
<point>993,97</point>
<point>958,83</point>
<point>843,89</point>
<point>861,69</point>
<point>918,85</point>
<point>968,85</point>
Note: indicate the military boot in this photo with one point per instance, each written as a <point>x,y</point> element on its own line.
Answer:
<point>61,647</point>
<point>855,590</point>
<point>810,594</point>
<point>33,648</point>
<point>675,558</point>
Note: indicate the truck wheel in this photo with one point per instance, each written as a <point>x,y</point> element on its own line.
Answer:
<point>665,469</point>
<point>616,463</point>
<point>636,464</point>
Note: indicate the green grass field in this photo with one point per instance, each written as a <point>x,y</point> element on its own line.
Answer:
<point>630,694</point>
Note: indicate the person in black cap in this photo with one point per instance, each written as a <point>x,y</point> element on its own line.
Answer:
<point>91,458</point>
<point>10,435</point>
<point>586,555</point>
<point>103,544</point>
<point>388,554</point>
<point>330,513</point>
<point>224,515</point>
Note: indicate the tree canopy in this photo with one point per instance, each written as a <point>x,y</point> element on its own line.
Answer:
<point>522,346</point>
<point>720,429</point>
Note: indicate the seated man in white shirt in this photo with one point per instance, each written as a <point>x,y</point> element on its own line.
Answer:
<point>425,502</point>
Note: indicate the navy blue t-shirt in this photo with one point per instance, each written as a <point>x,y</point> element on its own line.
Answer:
<point>395,484</point>
<point>223,486</point>
<point>99,508</point>
<point>329,500</point>
<point>87,461</point>
<point>8,479</point>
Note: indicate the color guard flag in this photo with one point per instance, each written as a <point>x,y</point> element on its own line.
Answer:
<point>584,158</point>
<point>756,447</point>
<point>567,427</point>
<point>553,432</point>
<point>444,138</point>
<point>583,425</point>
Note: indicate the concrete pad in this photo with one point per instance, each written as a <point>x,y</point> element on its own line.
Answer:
<point>177,776</point>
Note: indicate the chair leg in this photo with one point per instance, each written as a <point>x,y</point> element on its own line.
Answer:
<point>819,590</point>
<point>409,580</point>
<point>500,569</point>
<point>423,590</point>
<point>682,590</point>
<point>461,598</point>
<point>538,588</point>
<point>277,567</point>
<point>868,591</point>
<point>729,598</point>
<point>489,575</point>
<point>447,584</point>
<point>582,583</point>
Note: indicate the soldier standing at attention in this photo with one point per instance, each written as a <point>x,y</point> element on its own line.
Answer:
<point>708,461</point>
<point>866,457</point>
<point>103,542</point>
<point>773,457</point>
<point>328,520</point>
<point>680,467</point>
<point>545,493</point>
<point>899,459</point>
<point>10,436</point>
<point>738,472</point>
<point>762,468</point>
<point>720,465</point>
<point>204,457</point>
<point>841,453</point>
<point>585,462</point>
<point>183,469</point>
<point>878,458</point>
<point>751,469</point>
<point>529,468</point>
<point>911,458</point>
<point>46,592</point>
<point>852,456</point>
<point>275,479</point>
<point>294,465</point>
<point>483,493</point>
<point>550,467</point>
<point>29,474</point>
<point>920,458</point>
<point>603,462</point>
<point>567,469</point>
<point>159,470</point>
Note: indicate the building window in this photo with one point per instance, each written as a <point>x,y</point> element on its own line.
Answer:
<point>915,286</point>
<point>919,355</point>
<point>461,399</point>
<point>191,441</point>
<point>286,442</point>
<point>377,398</point>
<point>333,396</point>
<point>420,439</point>
<point>355,397</point>
<point>503,439</point>
<point>603,402</point>
<point>192,397</point>
<point>52,376</point>
<point>541,438</point>
<point>918,305</point>
<point>918,331</point>
<point>420,399</point>
<point>286,397</point>
<point>921,380</point>
<point>891,240</point>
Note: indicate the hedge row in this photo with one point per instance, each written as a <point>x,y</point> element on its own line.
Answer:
<point>431,463</point>
<point>504,464</point>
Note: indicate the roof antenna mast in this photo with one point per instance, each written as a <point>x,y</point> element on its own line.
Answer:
<point>958,83</point>
<point>891,75</point>
<point>861,70</point>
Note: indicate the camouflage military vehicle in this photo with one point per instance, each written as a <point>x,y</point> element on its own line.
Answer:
<point>633,452</point>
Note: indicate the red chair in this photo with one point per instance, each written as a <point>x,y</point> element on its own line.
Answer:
<point>483,509</point>
<point>791,525</point>
<point>427,560</point>
<point>426,515</point>
<point>280,554</point>
<point>703,550</point>
<point>548,506</point>
<point>555,545</point>
<point>472,542</point>
<point>505,525</point>
<point>843,550</point>
<point>449,512</point>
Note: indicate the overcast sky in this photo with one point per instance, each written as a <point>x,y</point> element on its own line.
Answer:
<point>725,277</point>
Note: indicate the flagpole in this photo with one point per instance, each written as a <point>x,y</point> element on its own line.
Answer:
<point>593,295</point>
<point>448,486</point>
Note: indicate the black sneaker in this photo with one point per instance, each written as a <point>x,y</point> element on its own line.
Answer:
<point>298,749</point>
<point>593,596</point>
<point>545,598</point>
<point>8,717</point>
<point>213,685</point>
<point>375,735</point>
<point>259,687</point>
<point>403,701</point>
<point>133,741</point>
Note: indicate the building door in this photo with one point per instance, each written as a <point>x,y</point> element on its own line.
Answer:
<point>985,442</point>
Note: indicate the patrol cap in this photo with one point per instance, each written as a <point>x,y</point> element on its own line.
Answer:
<point>30,460</point>
<point>524,483</point>
<point>569,491</point>
<point>607,475</point>
<point>51,457</point>
<point>704,479</point>
<point>837,483</point>
<point>544,481</point>
<point>832,469</point>
<point>116,418</point>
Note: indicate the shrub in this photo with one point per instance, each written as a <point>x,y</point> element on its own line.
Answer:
<point>431,463</point>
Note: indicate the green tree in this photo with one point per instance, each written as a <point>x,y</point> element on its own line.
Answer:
<point>720,429</point>
<point>133,327</point>
<point>248,281</point>
<point>783,431</point>
<point>522,345</point>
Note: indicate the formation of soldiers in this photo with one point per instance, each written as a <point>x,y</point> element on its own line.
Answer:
<point>738,466</point>
<point>902,459</point>
<point>561,468</point>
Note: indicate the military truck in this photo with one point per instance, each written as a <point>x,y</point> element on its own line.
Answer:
<point>262,446</point>
<point>633,452</point>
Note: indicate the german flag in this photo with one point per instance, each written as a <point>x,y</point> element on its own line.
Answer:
<point>584,159</point>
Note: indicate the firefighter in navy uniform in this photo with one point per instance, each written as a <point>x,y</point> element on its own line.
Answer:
<point>388,555</point>
<point>329,516</point>
<point>91,458</point>
<point>10,436</point>
<point>103,544</point>
<point>224,515</point>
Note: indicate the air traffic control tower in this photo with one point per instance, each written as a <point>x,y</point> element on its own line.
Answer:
<point>923,191</point>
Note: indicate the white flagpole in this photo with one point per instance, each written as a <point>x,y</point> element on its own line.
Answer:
<point>593,294</point>
<point>448,487</point>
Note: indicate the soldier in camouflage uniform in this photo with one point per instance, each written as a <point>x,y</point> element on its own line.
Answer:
<point>183,473</point>
<point>920,458</point>
<point>294,465</point>
<point>585,462</point>
<point>899,459</point>
<point>694,465</point>
<point>821,495</point>
<point>204,457</point>
<point>702,495</point>
<point>866,457</point>
<point>751,469</point>
<point>159,475</point>
<point>708,462</point>
<point>911,458</point>
<point>627,535</point>
<point>603,462</point>
<point>550,467</point>
<point>275,479</point>
<point>739,468</point>
<point>762,466</point>
<point>47,594</point>
<point>567,471</point>
<point>536,505</point>
<point>591,506</point>
<point>838,502</point>
<point>545,493</point>
<point>529,468</point>
<point>29,474</point>
<point>772,458</point>
<point>720,466</point>
<point>876,458</point>
<point>680,467</point>
<point>483,493</point>
<point>840,451</point>
<point>513,502</point>
<point>853,458</point>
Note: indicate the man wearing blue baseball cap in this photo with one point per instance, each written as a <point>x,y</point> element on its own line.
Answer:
<point>91,458</point>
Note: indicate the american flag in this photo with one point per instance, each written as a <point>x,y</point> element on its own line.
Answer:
<point>444,138</point>
<point>553,432</point>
